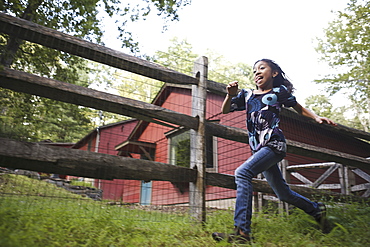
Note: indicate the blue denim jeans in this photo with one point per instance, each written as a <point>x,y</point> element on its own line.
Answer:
<point>265,160</point>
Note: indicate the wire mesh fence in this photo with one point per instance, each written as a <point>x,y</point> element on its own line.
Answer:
<point>145,137</point>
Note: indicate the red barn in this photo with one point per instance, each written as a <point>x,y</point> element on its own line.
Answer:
<point>170,144</point>
<point>103,140</point>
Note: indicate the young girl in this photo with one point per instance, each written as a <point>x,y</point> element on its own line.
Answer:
<point>267,142</point>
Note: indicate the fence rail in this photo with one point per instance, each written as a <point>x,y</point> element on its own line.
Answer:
<point>36,157</point>
<point>66,92</point>
<point>39,157</point>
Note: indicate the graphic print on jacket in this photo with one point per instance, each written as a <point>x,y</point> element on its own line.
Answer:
<point>263,116</point>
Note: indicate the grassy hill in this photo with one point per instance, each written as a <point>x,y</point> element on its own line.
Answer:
<point>36,213</point>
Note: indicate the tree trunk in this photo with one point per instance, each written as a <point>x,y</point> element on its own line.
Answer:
<point>7,58</point>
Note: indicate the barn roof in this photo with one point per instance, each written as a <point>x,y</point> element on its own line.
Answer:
<point>94,132</point>
<point>359,139</point>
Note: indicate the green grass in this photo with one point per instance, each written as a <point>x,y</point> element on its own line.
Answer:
<point>35,213</point>
<point>81,183</point>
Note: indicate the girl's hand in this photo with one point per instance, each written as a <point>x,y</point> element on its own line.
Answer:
<point>307,113</point>
<point>324,120</point>
<point>232,88</point>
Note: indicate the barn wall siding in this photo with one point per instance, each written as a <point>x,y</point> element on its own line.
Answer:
<point>230,153</point>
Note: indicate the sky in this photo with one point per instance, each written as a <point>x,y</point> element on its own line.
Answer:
<point>245,31</point>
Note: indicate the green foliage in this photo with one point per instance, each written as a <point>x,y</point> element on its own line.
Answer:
<point>320,104</point>
<point>183,153</point>
<point>54,218</point>
<point>180,57</point>
<point>33,118</point>
<point>346,48</point>
<point>82,18</point>
<point>36,213</point>
<point>104,78</point>
<point>136,87</point>
<point>180,149</point>
<point>81,183</point>
<point>223,71</point>
<point>18,185</point>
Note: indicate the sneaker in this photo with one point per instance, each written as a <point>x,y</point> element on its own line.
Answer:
<point>322,220</point>
<point>234,237</point>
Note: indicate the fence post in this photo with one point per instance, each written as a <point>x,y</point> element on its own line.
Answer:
<point>283,205</point>
<point>197,200</point>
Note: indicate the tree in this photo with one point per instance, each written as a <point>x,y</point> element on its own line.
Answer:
<point>320,104</point>
<point>180,57</point>
<point>33,118</point>
<point>223,71</point>
<point>346,48</point>
<point>137,87</point>
<point>81,18</point>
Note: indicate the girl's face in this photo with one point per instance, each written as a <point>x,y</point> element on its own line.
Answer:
<point>264,75</point>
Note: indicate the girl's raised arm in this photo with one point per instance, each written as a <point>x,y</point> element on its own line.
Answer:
<point>232,90</point>
<point>307,113</point>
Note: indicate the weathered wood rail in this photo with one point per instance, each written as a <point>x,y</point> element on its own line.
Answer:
<point>33,32</point>
<point>75,162</point>
<point>35,157</point>
<point>66,92</point>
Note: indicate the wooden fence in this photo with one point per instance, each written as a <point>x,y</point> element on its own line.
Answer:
<point>36,157</point>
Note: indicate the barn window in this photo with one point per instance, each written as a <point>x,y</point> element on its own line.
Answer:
<point>179,149</point>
